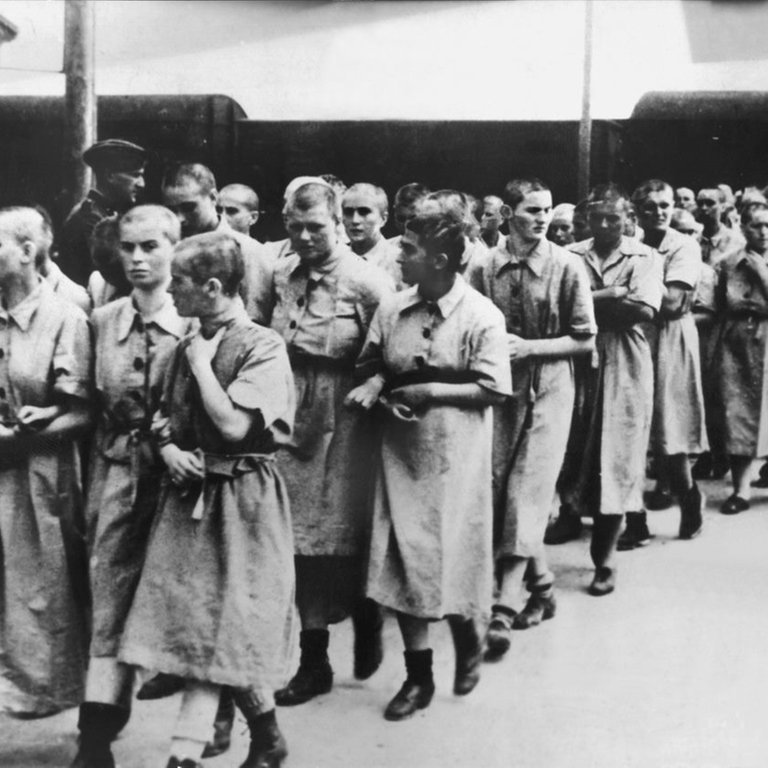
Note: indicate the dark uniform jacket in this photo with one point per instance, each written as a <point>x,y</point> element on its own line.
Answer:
<point>73,245</point>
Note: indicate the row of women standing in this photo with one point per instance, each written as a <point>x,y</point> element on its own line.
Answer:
<point>198,424</point>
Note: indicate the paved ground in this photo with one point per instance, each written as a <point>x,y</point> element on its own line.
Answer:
<point>671,671</point>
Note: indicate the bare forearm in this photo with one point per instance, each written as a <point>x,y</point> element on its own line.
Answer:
<point>464,394</point>
<point>563,346</point>
<point>232,422</point>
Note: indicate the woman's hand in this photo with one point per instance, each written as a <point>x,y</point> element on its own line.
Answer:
<point>398,411</point>
<point>366,395</point>
<point>412,395</point>
<point>31,417</point>
<point>183,466</point>
<point>201,351</point>
<point>518,348</point>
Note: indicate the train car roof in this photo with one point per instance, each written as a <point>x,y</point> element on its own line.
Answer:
<point>170,107</point>
<point>702,105</point>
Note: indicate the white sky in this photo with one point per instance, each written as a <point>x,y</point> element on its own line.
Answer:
<point>503,59</point>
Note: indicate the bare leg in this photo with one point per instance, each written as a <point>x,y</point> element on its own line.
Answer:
<point>194,725</point>
<point>741,472</point>
<point>511,577</point>
<point>415,632</point>
<point>106,680</point>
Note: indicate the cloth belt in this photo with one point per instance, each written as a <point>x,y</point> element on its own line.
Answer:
<point>219,466</point>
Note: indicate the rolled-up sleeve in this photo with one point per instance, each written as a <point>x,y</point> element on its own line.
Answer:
<point>73,356</point>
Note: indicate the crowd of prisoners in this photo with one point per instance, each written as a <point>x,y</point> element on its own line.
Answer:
<point>213,448</point>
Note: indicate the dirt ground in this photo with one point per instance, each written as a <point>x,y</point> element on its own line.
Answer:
<point>671,671</point>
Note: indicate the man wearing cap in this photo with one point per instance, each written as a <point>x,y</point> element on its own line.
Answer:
<point>118,167</point>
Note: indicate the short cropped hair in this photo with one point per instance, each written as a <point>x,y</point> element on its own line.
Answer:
<point>200,174</point>
<point>309,195</point>
<point>517,189</point>
<point>440,232</point>
<point>168,221</point>
<point>31,224</point>
<point>378,195</point>
<point>411,193</point>
<point>608,193</point>
<point>648,186</point>
<point>750,209</point>
<point>213,255</point>
<point>719,194</point>
<point>250,198</point>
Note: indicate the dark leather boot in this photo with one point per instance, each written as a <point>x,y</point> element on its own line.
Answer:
<point>541,605</point>
<point>636,534</point>
<point>160,686</point>
<point>99,725</point>
<point>222,725</point>
<point>691,521</point>
<point>469,654</point>
<point>314,675</point>
<point>567,527</point>
<point>367,621</point>
<point>268,748</point>
<point>417,690</point>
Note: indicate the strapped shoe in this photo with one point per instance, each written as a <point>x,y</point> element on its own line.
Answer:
<point>541,606</point>
<point>734,504</point>
<point>636,534</point>
<point>603,583</point>
<point>499,635</point>
<point>411,697</point>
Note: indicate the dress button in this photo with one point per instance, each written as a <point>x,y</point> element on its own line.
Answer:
<point>292,324</point>
<point>2,392</point>
<point>426,333</point>
<point>515,291</point>
<point>300,301</point>
<point>138,364</point>
<point>2,354</point>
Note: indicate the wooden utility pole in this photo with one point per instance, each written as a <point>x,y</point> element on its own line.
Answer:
<point>80,98</point>
<point>585,124</point>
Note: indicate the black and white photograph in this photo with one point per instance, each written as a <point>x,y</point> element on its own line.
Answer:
<point>383,383</point>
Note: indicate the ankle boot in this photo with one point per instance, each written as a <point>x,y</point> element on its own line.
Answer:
<point>222,725</point>
<point>636,534</point>
<point>691,521</point>
<point>417,690</point>
<point>367,621</point>
<point>314,675</point>
<point>99,725</point>
<point>567,527</point>
<point>268,748</point>
<point>469,654</point>
<point>605,533</point>
<point>541,605</point>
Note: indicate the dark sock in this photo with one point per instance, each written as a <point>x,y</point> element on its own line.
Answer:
<point>418,664</point>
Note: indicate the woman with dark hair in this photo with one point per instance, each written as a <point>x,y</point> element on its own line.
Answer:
<point>740,353</point>
<point>435,360</point>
